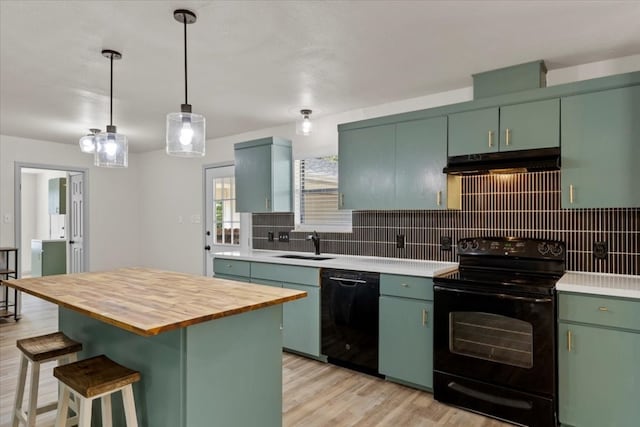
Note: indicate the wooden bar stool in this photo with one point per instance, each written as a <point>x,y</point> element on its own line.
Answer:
<point>37,350</point>
<point>89,379</point>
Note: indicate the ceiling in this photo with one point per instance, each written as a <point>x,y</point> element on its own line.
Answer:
<point>255,64</point>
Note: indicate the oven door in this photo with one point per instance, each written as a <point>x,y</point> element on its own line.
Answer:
<point>505,340</point>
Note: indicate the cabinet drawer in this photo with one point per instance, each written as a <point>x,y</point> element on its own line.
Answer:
<point>617,312</point>
<point>231,267</point>
<point>286,273</point>
<point>406,286</point>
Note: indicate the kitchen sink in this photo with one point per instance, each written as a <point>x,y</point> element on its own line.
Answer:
<point>308,257</point>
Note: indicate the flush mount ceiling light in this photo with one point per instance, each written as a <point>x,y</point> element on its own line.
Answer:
<point>88,142</point>
<point>111,147</point>
<point>185,130</point>
<point>303,126</point>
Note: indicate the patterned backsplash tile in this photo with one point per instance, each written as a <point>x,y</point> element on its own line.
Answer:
<point>521,205</point>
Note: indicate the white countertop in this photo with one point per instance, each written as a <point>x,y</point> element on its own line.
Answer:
<point>615,285</point>
<point>407,267</point>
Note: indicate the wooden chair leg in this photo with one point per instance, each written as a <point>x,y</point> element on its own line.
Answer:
<point>22,379</point>
<point>129,406</point>
<point>63,407</point>
<point>84,418</point>
<point>106,411</point>
<point>33,394</point>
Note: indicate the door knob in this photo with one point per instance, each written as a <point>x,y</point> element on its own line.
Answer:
<point>207,248</point>
<point>71,242</point>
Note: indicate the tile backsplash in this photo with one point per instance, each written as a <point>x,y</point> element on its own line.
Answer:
<point>521,205</point>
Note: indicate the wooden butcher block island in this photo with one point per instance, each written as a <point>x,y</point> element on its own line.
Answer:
<point>209,350</point>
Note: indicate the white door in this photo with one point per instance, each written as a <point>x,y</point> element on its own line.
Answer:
<point>225,230</point>
<point>76,223</point>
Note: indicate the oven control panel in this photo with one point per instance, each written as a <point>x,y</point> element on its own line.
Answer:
<point>512,246</point>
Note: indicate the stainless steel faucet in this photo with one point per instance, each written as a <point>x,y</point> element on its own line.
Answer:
<point>316,241</point>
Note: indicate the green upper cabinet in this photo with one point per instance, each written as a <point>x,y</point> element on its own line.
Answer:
<point>473,132</point>
<point>397,166</point>
<point>366,168</point>
<point>263,174</point>
<point>521,127</point>
<point>601,149</point>
<point>58,196</point>
<point>530,125</point>
<point>421,154</point>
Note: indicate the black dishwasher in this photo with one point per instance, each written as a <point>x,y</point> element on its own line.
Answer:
<point>350,319</point>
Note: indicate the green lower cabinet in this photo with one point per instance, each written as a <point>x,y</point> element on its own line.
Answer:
<point>406,340</point>
<point>599,377</point>
<point>301,321</point>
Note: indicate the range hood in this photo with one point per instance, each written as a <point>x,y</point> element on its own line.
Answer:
<point>539,159</point>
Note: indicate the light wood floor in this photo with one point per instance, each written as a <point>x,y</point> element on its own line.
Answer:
<point>315,394</point>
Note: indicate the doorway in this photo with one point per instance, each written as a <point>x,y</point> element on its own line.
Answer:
<point>225,230</point>
<point>50,211</point>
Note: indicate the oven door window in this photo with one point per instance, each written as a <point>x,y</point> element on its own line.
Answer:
<point>491,337</point>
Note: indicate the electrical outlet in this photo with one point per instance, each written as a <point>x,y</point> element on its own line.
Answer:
<point>269,236</point>
<point>445,243</point>
<point>283,236</point>
<point>600,250</point>
<point>400,241</point>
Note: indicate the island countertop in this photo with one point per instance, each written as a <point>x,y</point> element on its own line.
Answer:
<point>148,301</point>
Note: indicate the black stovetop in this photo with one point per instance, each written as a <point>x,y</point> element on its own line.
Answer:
<point>507,265</point>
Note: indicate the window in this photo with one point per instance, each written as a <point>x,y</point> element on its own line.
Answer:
<point>316,196</point>
<point>226,219</point>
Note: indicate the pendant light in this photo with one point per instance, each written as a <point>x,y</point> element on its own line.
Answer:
<point>185,130</point>
<point>88,142</point>
<point>303,126</point>
<point>111,147</point>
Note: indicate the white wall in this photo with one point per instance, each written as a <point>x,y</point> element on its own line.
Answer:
<point>113,194</point>
<point>29,224</point>
<point>134,212</point>
<point>173,187</point>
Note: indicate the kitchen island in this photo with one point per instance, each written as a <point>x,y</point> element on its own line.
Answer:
<point>209,350</point>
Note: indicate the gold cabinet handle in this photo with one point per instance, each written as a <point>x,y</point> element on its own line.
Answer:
<point>341,199</point>
<point>571,193</point>
<point>507,136</point>
<point>439,198</point>
<point>228,265</point>
<point>569,344</point>
<point>266,202</point>
<point>404,285</point>
<point>490,138</point>
<point>603,308</point>
<point>425,317</point>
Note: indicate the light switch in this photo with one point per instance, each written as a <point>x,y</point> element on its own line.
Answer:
<point>195,219</point>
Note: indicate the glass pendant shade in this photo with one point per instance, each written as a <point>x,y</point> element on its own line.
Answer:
<point>88,142</point>
<point>111,149</point>
<point>304,125</point>
<point>186,134</point>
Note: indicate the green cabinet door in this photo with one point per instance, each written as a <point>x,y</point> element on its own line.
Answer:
<point>301,321</point>
<point>421,153</point>
<point>601,148</point>
<point>473,132</point>
<point>263,175</point>
<point>599,379</point>
<point>530,125</point>
<point>366,169</point>
<point>406,340</point>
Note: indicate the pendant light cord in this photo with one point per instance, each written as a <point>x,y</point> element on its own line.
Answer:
<point>184,19</point>
<point>111,95</point>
